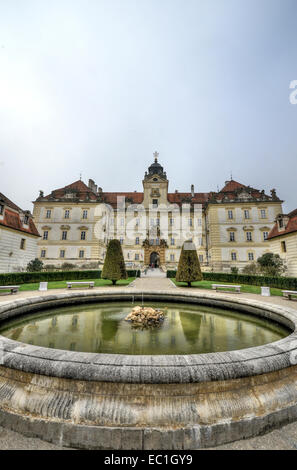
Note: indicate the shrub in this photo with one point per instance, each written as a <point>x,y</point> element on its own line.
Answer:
<point>251,268</point>
<point>68,266</point>
<point>50,267</point>
<point>282,282</point>
<point>34,265</point>
<point>114,265</point>
<point>188,267</point>
<point>234,270</point>
<point>271,264</point>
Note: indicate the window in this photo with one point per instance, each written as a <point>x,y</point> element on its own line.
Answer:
<point>284,247</point>
<point>45,235</point>
<point>121,240</point>
<point>23,243</point>
<point>230,214</point>
<point>171,221</point>
<point>122,222</point>
<point>200,241</point>
<point>201,258</point>
<point>83,235</point>
<point>199,222</point>
<point>233,256</point>
<point>1,209</point>
<point>265,235</point>
<point>232,236</point>
<point>172,241</point>
<point>42,254</point>
<point>191,222</point>
<point>67,214</point>
<point>62,253</point>
<point>26,220</point>
<point>48,214</point>
<point>155,202</point>
<point>137,241</point>
<point>249,236</point>
<point>85,214</point>
<point>246,214</point>
<point>81,253</point>
<point>251,256</point>
<point>172,257</point>
<point>136,257</point>
<point>263,213</point>
<point>64,235</point>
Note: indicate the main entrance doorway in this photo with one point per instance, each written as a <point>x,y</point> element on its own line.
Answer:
<point>155,260</point>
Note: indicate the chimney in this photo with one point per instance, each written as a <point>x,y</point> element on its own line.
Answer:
<point>92,186</point>
<point>192,191</point>
<point>176,191</point>
<point>99,190</point>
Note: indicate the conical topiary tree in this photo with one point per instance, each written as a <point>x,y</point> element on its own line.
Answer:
<point>188,267</point>
<point>114,264</point>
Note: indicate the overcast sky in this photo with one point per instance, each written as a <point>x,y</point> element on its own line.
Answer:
<point>96,86</point>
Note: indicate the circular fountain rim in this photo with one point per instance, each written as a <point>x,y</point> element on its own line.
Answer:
<point>150,369</point>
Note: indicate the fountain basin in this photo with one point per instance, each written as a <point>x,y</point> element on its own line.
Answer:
<point>122,401</point>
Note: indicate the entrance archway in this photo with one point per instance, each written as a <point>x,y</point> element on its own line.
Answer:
<point>155,259</point>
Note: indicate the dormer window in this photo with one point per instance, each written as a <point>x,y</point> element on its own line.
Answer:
<point>281,223</point>
<point>1,209</point>
<point>26,220</point>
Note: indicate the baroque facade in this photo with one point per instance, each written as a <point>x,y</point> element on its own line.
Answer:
<point>229,227</point>
<point>18,237</point>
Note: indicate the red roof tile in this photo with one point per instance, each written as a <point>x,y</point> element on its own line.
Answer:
<point>12,220</point>
<point>231,186</point>
<point>291,226</point>
<point>9,203</point>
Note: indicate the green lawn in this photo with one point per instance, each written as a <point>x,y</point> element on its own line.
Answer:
<point>244,287</point>
<point>63,285</point>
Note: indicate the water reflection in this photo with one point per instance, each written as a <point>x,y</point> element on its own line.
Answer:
<point>187,329</point>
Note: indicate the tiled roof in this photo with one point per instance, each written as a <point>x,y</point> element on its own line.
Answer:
<point>111,198</point>
<point>9,203</point>
<point>12,220</point>
<point>178,198</point>
<point>84,193</point>
<point>231,186</point>
<point>291,226</point>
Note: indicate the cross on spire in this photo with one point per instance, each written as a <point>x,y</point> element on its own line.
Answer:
<point>156,156</point>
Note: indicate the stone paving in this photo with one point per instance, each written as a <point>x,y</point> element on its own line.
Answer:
<point>284,438</point>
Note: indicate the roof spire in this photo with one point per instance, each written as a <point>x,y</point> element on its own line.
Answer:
<point>80,176</point>
<point>156,156</point>
<point>231,176</point>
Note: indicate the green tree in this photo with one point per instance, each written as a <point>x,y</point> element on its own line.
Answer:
<point>188,267</point>
<point>35,265</point>
<point>271,264</point>
<point>114,264</point>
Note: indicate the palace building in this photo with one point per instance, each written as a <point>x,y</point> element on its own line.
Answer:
<point>229,227</point>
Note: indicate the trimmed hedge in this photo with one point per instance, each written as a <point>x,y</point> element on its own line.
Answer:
<point>289,283</point>
<point>25,278</point>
